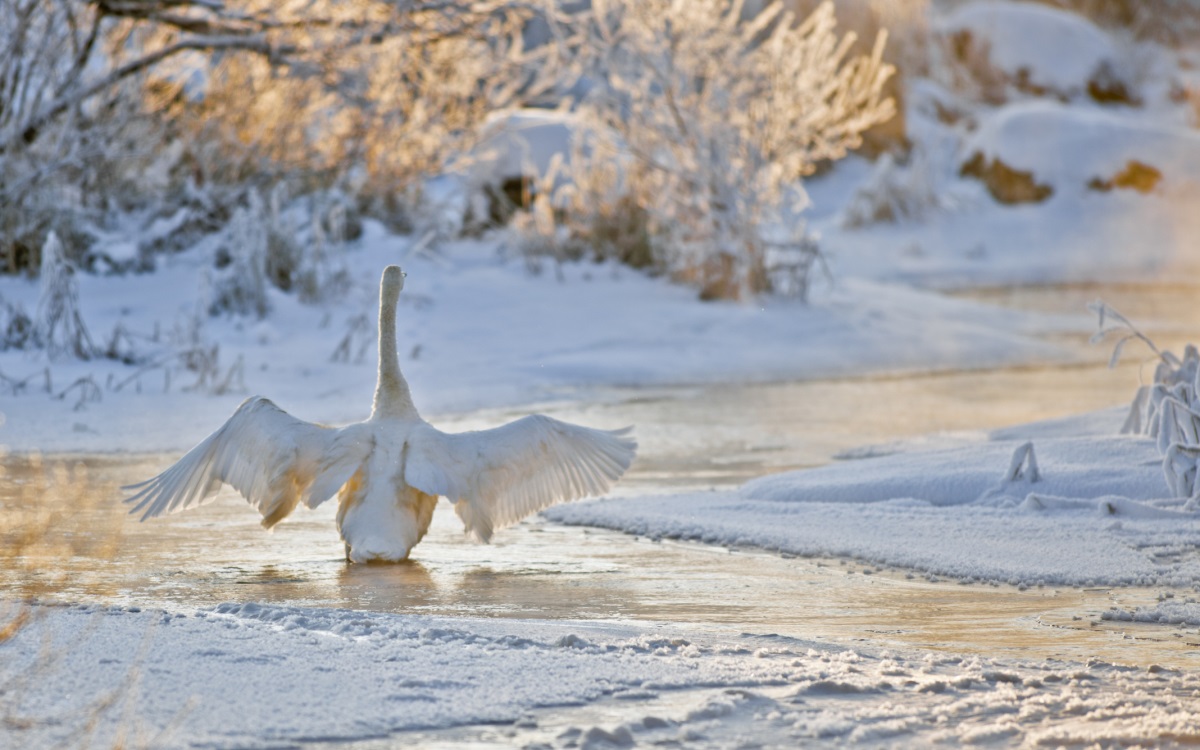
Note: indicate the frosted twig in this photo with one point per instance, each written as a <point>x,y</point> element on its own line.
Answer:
<point>88,391</point>
<point>1104,311</point>
<point>1023,466</point>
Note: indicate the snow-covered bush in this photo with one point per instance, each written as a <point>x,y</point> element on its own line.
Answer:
<point>162,105</point>
<point>380,102</point>
<point>587,211</point>
<point>716,114</point>
<point>16,327</point>
<point>907,24</point>
<point>271,244</point>
<point>58,326</point>
<point>304,254</point>
<point>322,273</point>
<point>898,190</point>
<point>241,284</point>
<point>73,141</point>
<point>1167,409</point>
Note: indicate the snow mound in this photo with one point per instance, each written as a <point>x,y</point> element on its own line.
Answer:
<point>1023,508</point>
<point>519,148</point>
<point>1072,148</point>
<point>1045,47</point>
<point>1090,467</point>
<point>1166,613</point>
<point>523,143</point>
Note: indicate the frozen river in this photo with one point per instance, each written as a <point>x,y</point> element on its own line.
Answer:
<point>690,438</point>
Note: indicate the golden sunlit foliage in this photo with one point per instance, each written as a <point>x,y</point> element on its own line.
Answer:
<point>720,110</point>
<point>193,101</point>
<point>369,113</point>
<point>721,107</point>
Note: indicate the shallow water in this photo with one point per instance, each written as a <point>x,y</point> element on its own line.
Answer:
<point>690,438</point>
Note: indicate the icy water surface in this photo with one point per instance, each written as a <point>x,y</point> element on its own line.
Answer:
<point>690,438</point>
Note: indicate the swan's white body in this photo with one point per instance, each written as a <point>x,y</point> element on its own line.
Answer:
<point>389,471</point>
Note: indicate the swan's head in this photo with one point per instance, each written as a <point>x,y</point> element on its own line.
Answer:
<point>392,282</point>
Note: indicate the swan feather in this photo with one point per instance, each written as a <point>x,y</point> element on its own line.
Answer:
<point>273,459</point>
<point>497,477</point>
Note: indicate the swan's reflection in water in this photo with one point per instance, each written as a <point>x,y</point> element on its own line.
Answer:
<point>407,585</point>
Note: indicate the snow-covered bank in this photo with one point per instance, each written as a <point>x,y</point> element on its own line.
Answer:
<point>476,331</point>
<point>1099,512</point>
<point>253,676</point>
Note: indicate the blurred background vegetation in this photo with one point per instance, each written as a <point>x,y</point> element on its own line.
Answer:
<point>691,126</point>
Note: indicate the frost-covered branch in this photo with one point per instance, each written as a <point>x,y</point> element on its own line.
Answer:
<point>1168,409</point>
<point>365,98</point>
<point>719,112</point>
<point>166,28</point>
<point>1129,332</point>
<point>76,95</point>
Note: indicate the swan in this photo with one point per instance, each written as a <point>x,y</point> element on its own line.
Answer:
<point>389,471</point>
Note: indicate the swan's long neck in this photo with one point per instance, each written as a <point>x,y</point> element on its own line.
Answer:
<point>392,397</point>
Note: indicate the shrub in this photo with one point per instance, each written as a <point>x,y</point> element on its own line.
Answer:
<point>898,190</point>
<point>1168,409</point>
<point>58,326</point>
<point>241,286</point>
<point>705,118</point>
<point>66,158</point>
<point>166,104</point>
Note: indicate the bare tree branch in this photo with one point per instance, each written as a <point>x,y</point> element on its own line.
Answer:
<point>257,44</point>
<point>212,27</point>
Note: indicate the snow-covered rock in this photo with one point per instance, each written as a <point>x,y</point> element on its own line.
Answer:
<point>1076,148</point>
<point>1036,48</point>
<point>517,150</point>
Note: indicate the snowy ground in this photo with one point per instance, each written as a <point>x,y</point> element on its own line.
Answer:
<point>255,676</point>
<point>1100,512</point>
<point>478,331</point>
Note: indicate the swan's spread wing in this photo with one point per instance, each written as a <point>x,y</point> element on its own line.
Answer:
<point>497,477</point>
<point>272,458</point>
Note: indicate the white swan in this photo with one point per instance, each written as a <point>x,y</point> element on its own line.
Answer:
<point>389,470</point>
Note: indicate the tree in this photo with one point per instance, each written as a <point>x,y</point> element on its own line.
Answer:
<point>92,91</point>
